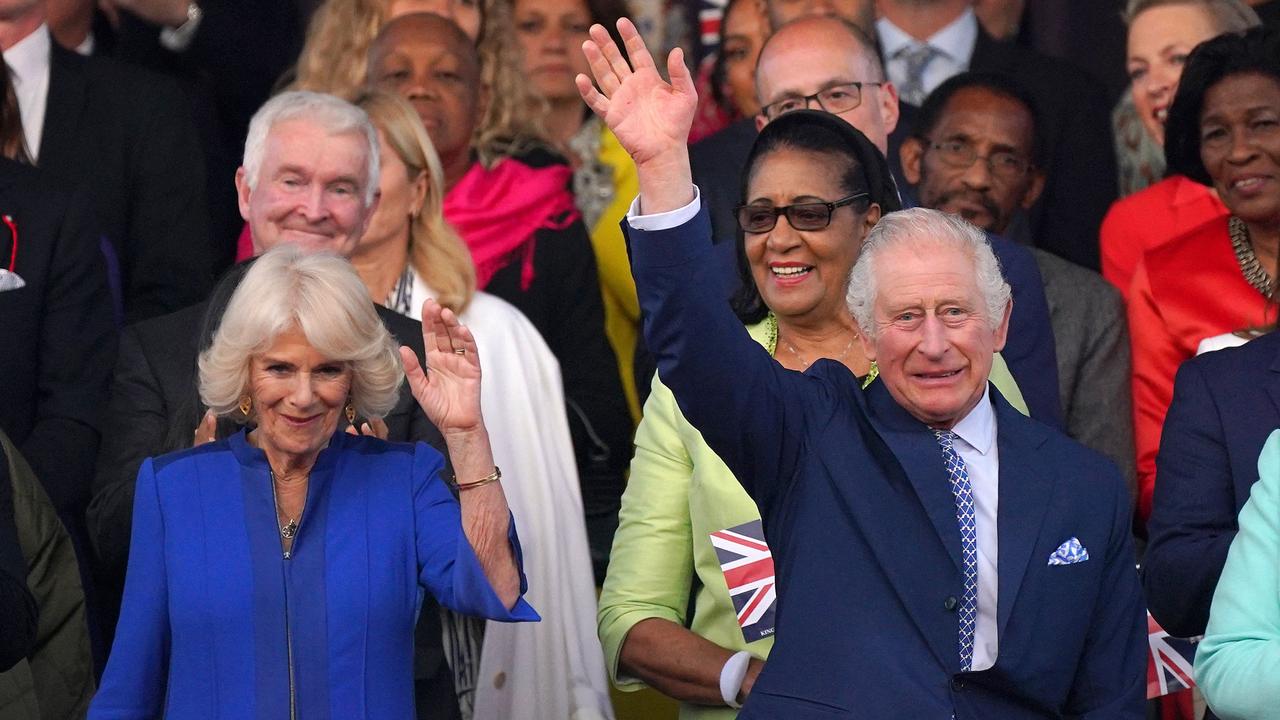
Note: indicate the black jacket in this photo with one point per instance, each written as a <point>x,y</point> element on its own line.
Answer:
<point>17,607</point>
<point>126,138</point>
<point>57,333</point>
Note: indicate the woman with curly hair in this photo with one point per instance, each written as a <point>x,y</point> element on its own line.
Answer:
<point>334,60</point>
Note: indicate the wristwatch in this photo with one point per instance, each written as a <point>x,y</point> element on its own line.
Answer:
<point>179,38</point>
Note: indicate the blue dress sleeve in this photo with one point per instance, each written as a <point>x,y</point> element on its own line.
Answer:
<point>136,677</point>
<point>447,565</point>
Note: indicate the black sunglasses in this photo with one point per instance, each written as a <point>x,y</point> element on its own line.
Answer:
<point>801,216</point>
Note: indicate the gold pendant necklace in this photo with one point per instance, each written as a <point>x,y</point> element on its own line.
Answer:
<point>290,527</point>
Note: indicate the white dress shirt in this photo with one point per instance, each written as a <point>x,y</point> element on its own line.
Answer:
<point>954,45</point>
<point>975,444</point>
<point>28,62</point>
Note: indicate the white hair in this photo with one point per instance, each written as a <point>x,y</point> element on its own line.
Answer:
<point>335,115</point>
<point>321,295</point>
<point>923,226</point>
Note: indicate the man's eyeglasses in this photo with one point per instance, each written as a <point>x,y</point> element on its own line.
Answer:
<point>801,216</point>
<point>835,99</point>
<point>1003,164</point>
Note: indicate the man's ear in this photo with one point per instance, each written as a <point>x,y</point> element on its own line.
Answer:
<point>1002,331</point>
<point>868,345</point>
<point>242,193</point>
<point>890,113</point>
<point>911,153</point>
<point>761,121</point>
<point>1033,190</point>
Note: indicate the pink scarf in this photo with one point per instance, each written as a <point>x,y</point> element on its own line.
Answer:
<point>497,212</point>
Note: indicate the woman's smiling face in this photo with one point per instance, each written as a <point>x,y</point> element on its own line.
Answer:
<point>297,394</point>
<point>802,274</point>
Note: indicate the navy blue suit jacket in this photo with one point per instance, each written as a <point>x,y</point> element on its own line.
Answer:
<point>1225,404</point>
<point>859,513</point>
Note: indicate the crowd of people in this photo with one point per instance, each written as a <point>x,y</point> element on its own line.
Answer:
<point>495,359</point>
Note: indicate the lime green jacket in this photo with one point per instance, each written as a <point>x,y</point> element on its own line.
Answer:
<point>678,494</point>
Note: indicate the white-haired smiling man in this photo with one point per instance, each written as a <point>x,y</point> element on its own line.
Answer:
<point>310,173</point>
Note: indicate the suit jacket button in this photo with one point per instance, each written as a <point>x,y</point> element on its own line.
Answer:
<point>957,684</point>
<point>950,603</point>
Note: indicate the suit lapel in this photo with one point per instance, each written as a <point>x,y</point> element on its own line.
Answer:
<point>1026,487</point>
<point>917,451</point>
<point>1273,382</point>
<point>989,54</point>
<point>67,90</point>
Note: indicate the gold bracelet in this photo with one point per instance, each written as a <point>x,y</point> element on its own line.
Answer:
<point>494,476</point>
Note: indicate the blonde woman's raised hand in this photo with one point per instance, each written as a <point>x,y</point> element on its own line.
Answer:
<point>649,116</point>
<point>448,390</point>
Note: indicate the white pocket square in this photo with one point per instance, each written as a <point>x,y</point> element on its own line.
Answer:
<point>10,280</point>
<point>1069,553</point>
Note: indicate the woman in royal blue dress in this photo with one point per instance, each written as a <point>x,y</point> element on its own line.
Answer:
<point>277,573</point>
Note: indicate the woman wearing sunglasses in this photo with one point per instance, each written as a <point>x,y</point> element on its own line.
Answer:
<point>814,187</point>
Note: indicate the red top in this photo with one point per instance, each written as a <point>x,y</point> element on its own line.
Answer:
<point>1149,218</point>
<point>1184,291</point>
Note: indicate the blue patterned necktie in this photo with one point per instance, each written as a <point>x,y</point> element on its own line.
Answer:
<point>965,518</point>
<point>916,58</point>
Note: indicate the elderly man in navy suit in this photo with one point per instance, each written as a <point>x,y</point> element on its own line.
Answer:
<point>938,555</point>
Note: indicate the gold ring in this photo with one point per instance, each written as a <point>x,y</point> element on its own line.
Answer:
<point>459,351</point>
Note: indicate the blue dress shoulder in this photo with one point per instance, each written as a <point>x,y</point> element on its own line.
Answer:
<point>218,623</point>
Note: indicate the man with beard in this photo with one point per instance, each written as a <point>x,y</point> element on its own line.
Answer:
<point>977,151</point>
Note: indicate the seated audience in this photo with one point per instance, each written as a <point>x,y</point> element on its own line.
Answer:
<point>528,244</point>
<point>1224,406</point>
<point>927,41</point>
<point>1217,278</point>
<point>857,476</point>
<point>127,140</point>
<point>18,611</point>
<point>681,501</point>
<point>298,347</point>
<point>55,680</point>
<point>1237,662</point>
<point>1161,35</point>
<point>408,254</point>
<point>977,151</point>
<point>299,145</point>
<point>550,35</point>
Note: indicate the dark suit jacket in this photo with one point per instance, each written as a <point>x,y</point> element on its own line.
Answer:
<point>1225,404</point>
<point>1075,119</point>
<point>1091,338</point>
<point>57,335</point>
<point>126,138</point>
<point>18,612</point>
<point>860,517</point>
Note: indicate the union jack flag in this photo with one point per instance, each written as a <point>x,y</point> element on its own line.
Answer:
<point>747,565</point>
<point>1170,663</point>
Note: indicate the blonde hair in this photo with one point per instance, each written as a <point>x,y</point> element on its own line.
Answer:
<point>321,295</point>
<point>436,252</point>
<point>335,59</point>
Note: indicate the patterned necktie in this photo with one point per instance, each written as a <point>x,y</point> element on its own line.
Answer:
<point>965,518</point>
<point>917,58</point>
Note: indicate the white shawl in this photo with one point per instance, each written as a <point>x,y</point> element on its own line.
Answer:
<point>554,669</point>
